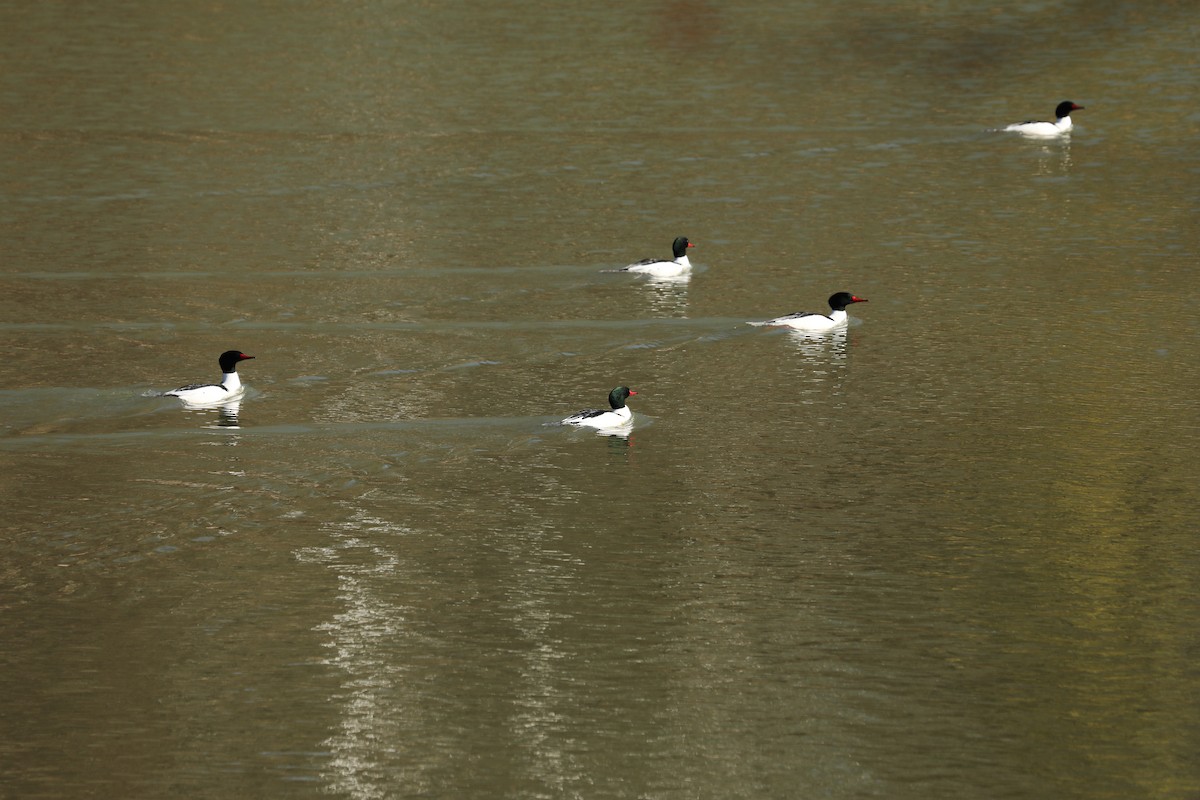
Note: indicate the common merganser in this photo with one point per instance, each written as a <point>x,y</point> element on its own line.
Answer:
<point>810,321</point>
<point>661,268</point>
<point>208,394</point>
<point>1062,122</point>
<point>595,418</point>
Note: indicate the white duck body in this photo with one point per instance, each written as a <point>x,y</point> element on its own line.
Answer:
<point>211,394</point>
<point>811,321</point>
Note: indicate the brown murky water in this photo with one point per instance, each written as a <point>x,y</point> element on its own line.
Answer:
<point>947,552</point>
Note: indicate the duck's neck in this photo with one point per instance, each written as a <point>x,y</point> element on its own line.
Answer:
<point>1064,123</point>
<point>231,381</point>
<point>838,316</point>
<point>683,261</point>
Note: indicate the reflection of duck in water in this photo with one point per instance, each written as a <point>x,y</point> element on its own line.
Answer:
<point>214,394</point>
<point>662,268</point>
<point>811,321</point>
<point>619,417</point>
<point>1054,155</point>
<point>229,415</point>
<point>822,362</point>
<point>824,344</point>
<point>1062,122</point>
<point>668,296</point>
<point>226,416</point>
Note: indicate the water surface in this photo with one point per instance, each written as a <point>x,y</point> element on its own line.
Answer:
<point>946,552</point>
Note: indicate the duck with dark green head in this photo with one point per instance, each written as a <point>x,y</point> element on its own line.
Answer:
<point>811,321</point>
<point>661,267</point>
<point>617,417</point>
<point>211,394</point>
<point>1062,122</point>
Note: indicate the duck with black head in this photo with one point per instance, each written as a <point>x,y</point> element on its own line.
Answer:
<point>618,416</point>
<point>212,394</point>
<point>812,321</point>
<point>1062,122</point>
<point>663,268</point>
